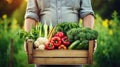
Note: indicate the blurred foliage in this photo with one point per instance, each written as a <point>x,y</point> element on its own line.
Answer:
<point>8,30</point>
<point>106,7</point>
<point>108,50</point>
<point>13,9</point>
<point>8,6</point>
<point>19,13</point>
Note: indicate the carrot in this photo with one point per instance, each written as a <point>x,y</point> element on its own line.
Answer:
<point>51,33</point>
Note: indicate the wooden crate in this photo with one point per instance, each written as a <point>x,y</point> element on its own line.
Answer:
<point>60,57</point>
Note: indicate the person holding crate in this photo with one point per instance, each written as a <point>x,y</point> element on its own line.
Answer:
<point>57,11</point>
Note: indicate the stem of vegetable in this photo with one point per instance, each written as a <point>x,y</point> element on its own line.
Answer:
<point>51,33</point>
<point>40,30</point>
<point>50,27</point>
<point>45,29</point>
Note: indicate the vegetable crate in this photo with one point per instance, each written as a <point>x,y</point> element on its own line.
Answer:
<point>60,57</point>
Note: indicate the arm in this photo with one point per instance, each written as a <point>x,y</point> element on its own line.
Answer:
<point>31,17</point>
<point>28,24</point>
<point>86,13</point>
<point>88,21</point>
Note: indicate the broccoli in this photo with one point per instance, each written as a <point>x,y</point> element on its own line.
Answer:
<point>83,35</point>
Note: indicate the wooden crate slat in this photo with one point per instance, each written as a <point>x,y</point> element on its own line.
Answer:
<point>90,51</point>
<point>60,57</point>
<point>60,61</point>
<point>61,53</point>
<point>29,47</point>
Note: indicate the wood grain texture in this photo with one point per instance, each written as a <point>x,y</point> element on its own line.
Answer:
<point>60,53</point>
<point>90,52</point>
<point>61,57</point>
<point>29,45</point>
<point>60,61</point>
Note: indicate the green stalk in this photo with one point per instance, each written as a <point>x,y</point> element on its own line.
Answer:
<point>37,27</point>
<point>40,30</point>
<point>50,27</point>
<point>45,30</point>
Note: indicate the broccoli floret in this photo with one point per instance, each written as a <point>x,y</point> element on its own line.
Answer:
<point>92,34</point>
<point>88,36</point>
<point>82,34</point>
<point>72,35</point>
<point>95,33</point>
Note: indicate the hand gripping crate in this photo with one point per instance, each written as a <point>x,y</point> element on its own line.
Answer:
<point>60,57</point>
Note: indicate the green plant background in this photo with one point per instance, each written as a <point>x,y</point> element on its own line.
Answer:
<point>107,23</point>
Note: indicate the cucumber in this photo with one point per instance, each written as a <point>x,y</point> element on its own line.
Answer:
<point>83,45</point>
<point>74,44</point>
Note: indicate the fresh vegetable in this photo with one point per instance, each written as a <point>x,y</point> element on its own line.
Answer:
<point>82,34</point>
<point>39,41</point>
<point>40,30</point>
<point>59,34</point>
<point>41,47</point>
<point>70,35</point>
<point>83,45</point>
<point>63,47</point>
<point>50,27</point>
<point>51,33</point>
<point>56,41</point>
<point>34,32</point>
<point>36,44</point>
<point>22,34</point>
<point>45,30</point>
<point>49,46</point>
<point>66,26</point>
<point>65,41</point>
<point>74,44</point>
<point>42,40</point>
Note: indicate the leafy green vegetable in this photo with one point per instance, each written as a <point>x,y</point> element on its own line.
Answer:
<point>34,33</point>
<point>41,30</point>
<point>66,26</point>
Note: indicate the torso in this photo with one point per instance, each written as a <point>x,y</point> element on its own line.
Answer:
<point>57,11</point>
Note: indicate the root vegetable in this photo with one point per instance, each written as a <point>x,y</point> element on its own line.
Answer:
<point>41,47</point>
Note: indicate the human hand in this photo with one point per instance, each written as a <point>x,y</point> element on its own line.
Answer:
<point>95,46</point>
<point>25,47</point>
<point>28,46</point>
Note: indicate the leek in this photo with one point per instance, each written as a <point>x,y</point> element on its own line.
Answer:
<point>45,30</point>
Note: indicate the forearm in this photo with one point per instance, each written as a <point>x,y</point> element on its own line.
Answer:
<point>28,24</point>
<point>88,21</point>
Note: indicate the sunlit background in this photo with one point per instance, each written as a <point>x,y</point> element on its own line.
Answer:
<point>107,23</point>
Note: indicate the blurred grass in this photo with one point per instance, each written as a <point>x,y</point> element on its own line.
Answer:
<point>108,50</point>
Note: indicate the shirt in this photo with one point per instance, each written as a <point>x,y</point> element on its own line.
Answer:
<point>57,11</point>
